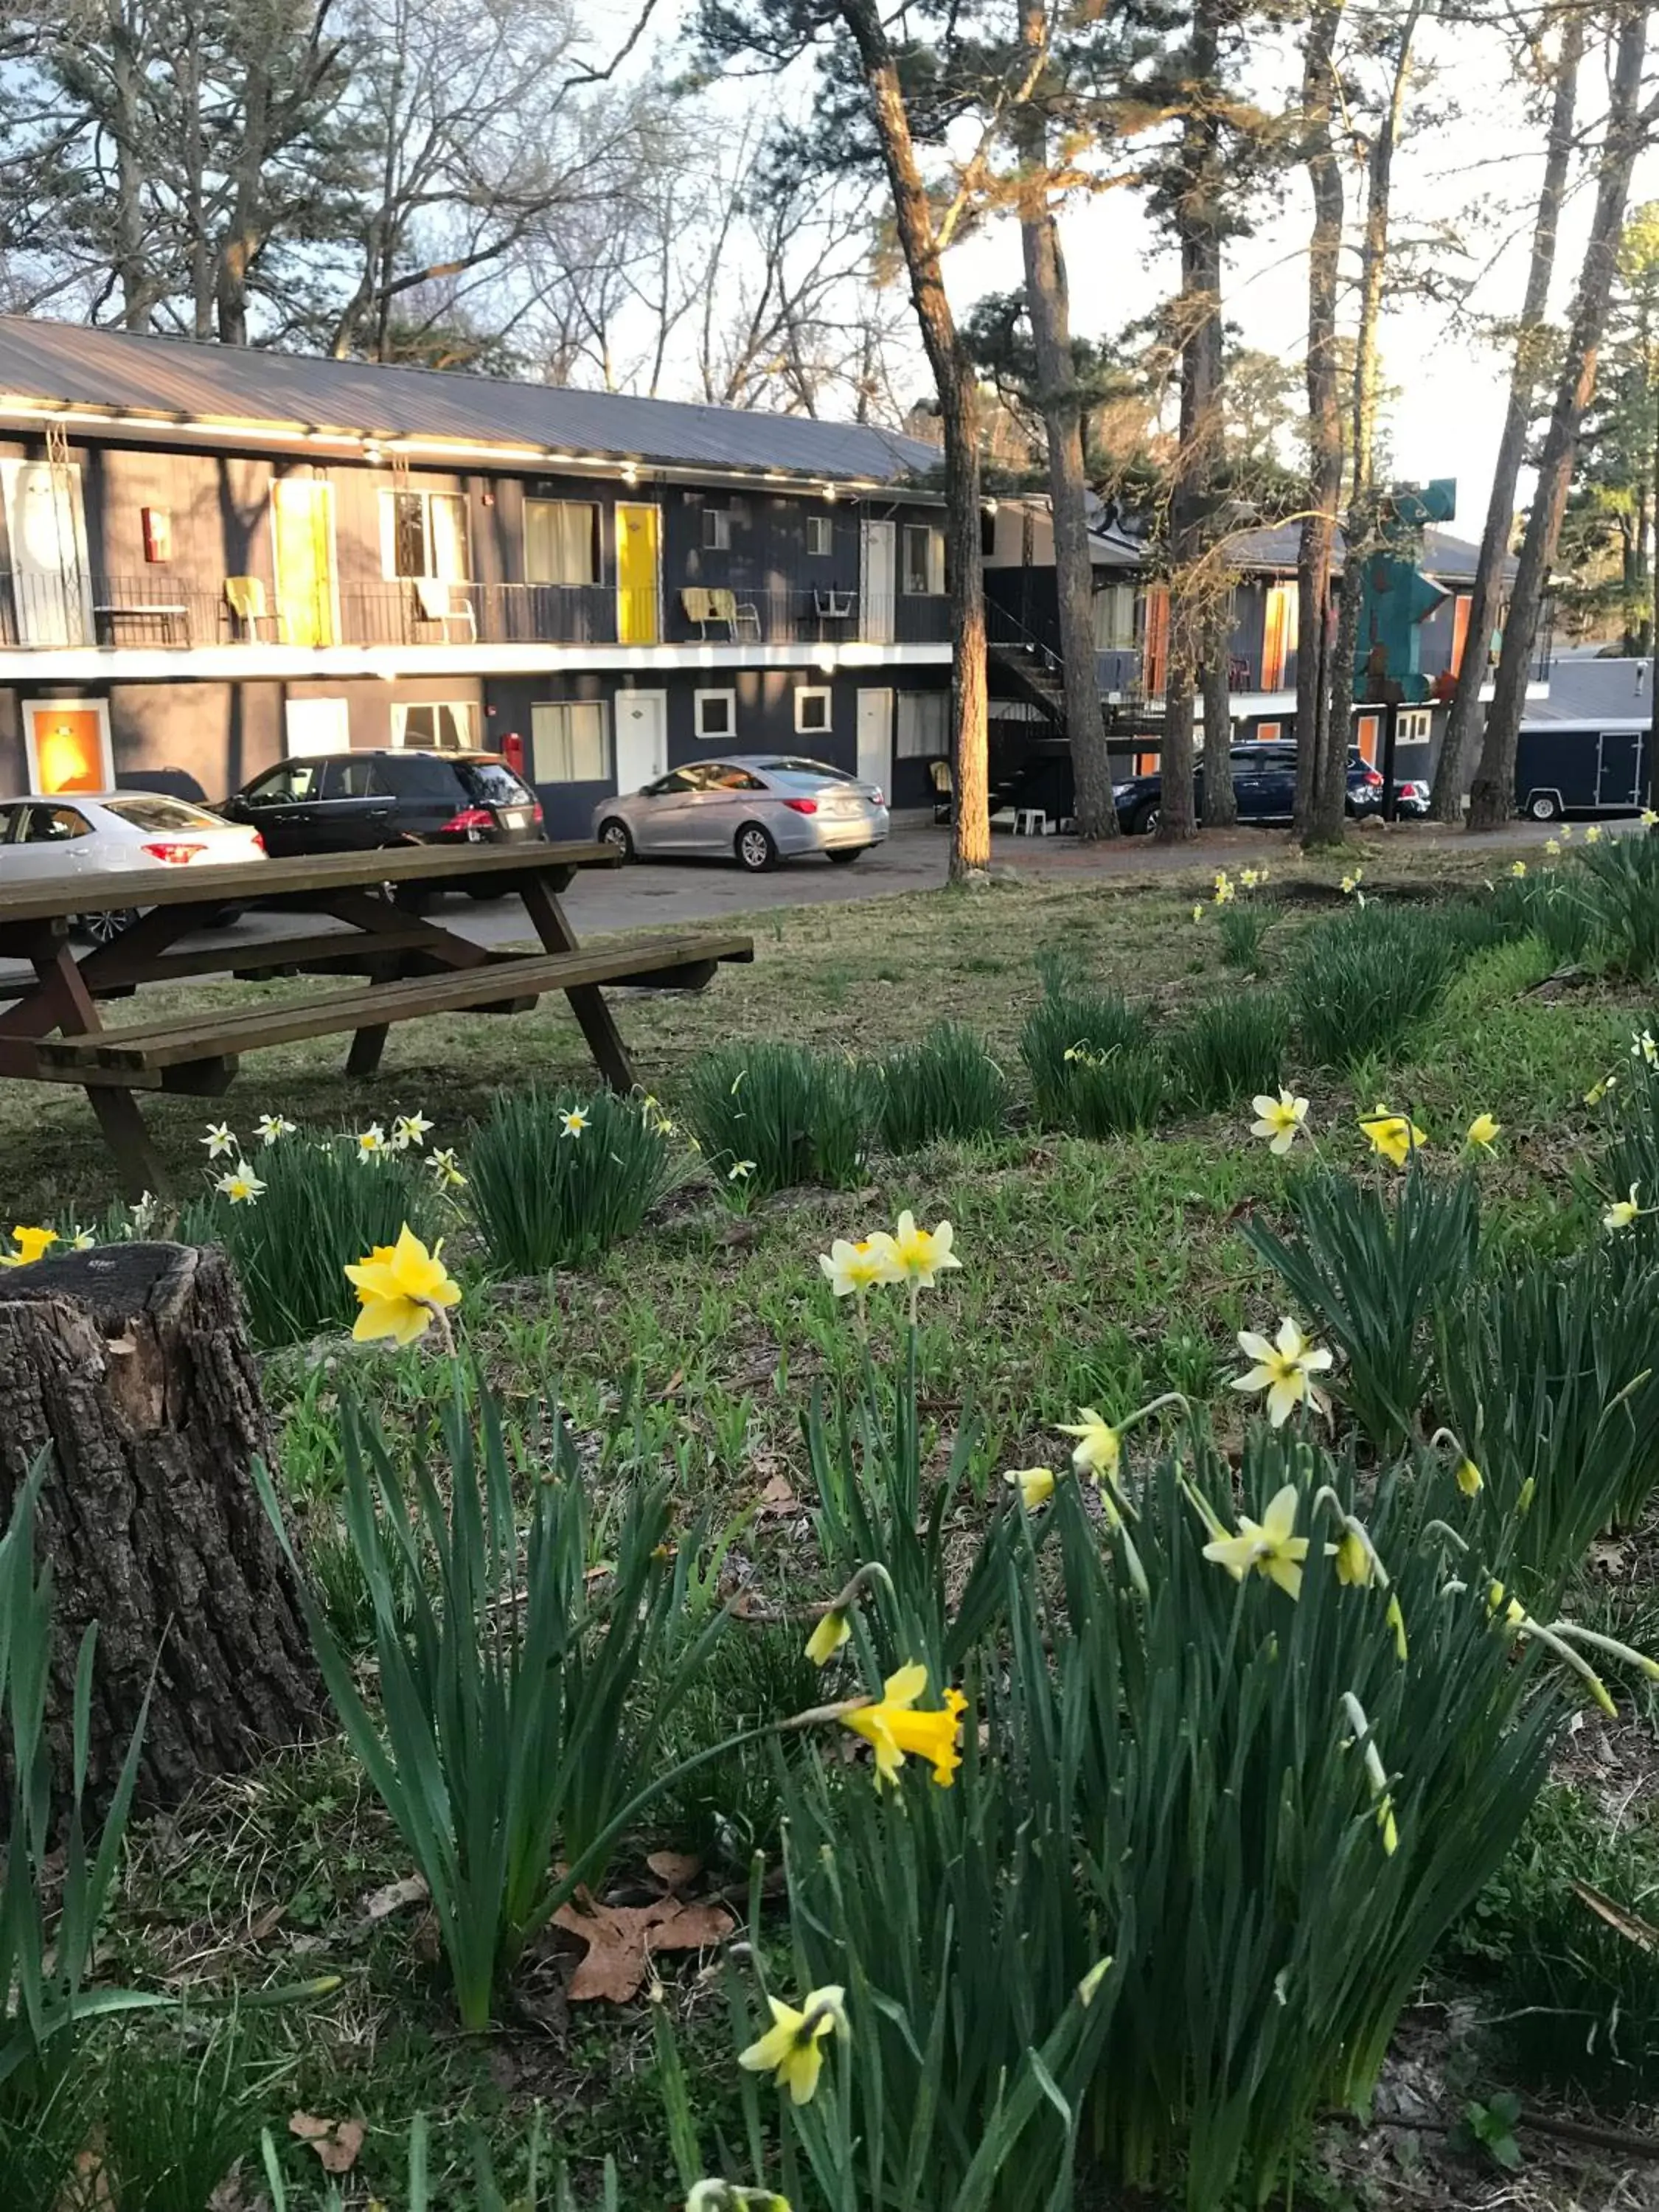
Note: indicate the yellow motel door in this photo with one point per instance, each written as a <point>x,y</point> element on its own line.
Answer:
<point>637,575</point>
<point>305,560</point>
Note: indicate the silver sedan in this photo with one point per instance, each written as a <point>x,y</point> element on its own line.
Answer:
<point>755,808</point>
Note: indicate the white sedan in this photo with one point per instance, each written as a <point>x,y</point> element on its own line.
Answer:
<point>86,835</point>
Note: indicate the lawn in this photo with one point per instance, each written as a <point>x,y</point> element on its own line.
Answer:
<point>1097,1271</point>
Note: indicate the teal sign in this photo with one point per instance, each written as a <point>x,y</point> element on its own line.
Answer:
<point>1395,596</point>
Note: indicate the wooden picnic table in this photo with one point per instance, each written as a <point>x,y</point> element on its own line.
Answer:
<point>406,964</point>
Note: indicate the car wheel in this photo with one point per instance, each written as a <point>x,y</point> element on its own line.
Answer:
<point>617,834</point>
<point>482,893</point>
<point>105,928</point>
<point>845,856</point>
<point>755,849</point>
<point>413,898</point>
<point>1144,823</point>
<point>1543,806</point>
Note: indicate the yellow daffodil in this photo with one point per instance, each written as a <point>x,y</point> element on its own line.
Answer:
<point>1354,1559</point>
<point>573,1123</point>
<point>1517,868</point>
<point>242,1186</point>
<point>1396,1620</point>
<point>271,1128</point>
<point>1270,1546</point>
<point>1284,1368</point>
<point>371,1143</point>
<point>1099,1447</point>
<point>740,1171</point>
<point>1394,1137</point>
<point>1467,1477</point>
<point>81,1240</point>
<point>1598,1091</point>
<point>1376,1773</point>
<point>1650,819</point>
<point>1198,914</point>
<point>829,1636</point>
<point>1278,1119</point>
<point>1035,1485</point>
<point>792,2049</point>
<point>1645,1047</point>
<point>1620,1214</point>
<point>32,1244</point>
<point>731,2196</point>
<point>1224,893</point>
<point>891,1728</point>
<point>1482,1131</point>
<point>852,1269</point>
<point>920,1254</point>
<point>1566,833</point>
<point>401,1288</point>
<point>1553,846</point>
<point>1593,834</point>
<point>1351,883</point>
<point>446,1170</point>
<point>220,1140</point>
<point>410,1129</point>
<point>1249,877</point>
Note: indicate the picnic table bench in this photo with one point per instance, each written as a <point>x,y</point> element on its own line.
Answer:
<point>407,966</point>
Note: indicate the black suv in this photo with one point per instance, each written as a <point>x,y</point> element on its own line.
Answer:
<point>355,802</point>
<point>1264,779</point>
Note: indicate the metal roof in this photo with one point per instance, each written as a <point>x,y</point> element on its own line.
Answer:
<point>247,390</point>
<point>1451,559</point>
<point>1593,691</point>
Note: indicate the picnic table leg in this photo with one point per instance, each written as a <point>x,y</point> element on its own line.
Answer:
<point>367,1045</point>
<point>137,1164</point>
<point>594,1018</point>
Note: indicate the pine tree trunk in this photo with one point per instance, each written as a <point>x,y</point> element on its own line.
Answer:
<point>1486,599</point>
<point>131,1366</point>
<point>1048,308</point>
<point>1491,801</point>
<point>1220,799</point>
<point>953,378</point>
<point>1318,536</point>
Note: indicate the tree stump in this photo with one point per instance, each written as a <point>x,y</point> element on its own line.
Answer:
<point>131,1366</point>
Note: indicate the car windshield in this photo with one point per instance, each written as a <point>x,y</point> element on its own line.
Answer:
<point>792,766</point>
<point>492,784</point>
<point>149,810</point>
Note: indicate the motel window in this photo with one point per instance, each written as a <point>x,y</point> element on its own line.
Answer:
<point>1114,618</point>
<point>423,533</point>
<point>1268,734</point>
<point>561,541</point>
<point>812,710</point>
<point>820,534</point>
<point>444,725</point>
<point>924,558</point>
<point>715,713</point>
<point>1413,727</point>
<point>921,725</point>
<point>717,529</point>
<point>570,741</point>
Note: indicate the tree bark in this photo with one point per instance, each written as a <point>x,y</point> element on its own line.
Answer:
<point>1485,600</point>
<point>1220,799</point>
<point>1318,536</point>
<point>131,1366</point>
<point>1360,534</point>
<point>1049,309</point>
<point>1196,580</point>
<point>1491,801</point>
<point>958,397</point>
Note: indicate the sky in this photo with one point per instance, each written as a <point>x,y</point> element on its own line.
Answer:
<point>1467,174</point>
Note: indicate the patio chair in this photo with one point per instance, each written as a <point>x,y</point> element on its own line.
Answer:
<point>436,603</point>
<point>736,614</point>
<point>698,607</point>
<point>245,596</point>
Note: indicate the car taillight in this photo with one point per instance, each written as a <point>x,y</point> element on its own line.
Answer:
<point>173,852</point>
<point>802,806</point>
<point>469,819</point>
<point>1372,777</point>
<point>878,797</point>
<point>536,814</point>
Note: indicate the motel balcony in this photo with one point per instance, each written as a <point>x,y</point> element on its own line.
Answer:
<point>47,611</point>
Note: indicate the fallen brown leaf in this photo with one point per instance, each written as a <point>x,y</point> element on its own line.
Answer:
<point>1629,1925</point>
<point>337,2142</point>
<point>675,1870</point>
<point>620,1938</point>
<point>396,1894</point>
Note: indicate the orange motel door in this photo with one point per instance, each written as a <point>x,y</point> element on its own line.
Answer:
<point>69,748</point>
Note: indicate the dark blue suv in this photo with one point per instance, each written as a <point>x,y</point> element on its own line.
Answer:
<point>1264,779</point>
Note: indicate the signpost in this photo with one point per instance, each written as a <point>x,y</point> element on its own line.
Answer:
<point>1395,598</point>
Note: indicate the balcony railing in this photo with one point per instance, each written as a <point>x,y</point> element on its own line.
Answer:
<point>153,608</point>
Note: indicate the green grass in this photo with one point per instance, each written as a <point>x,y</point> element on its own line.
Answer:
<point>1097,1271</point>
